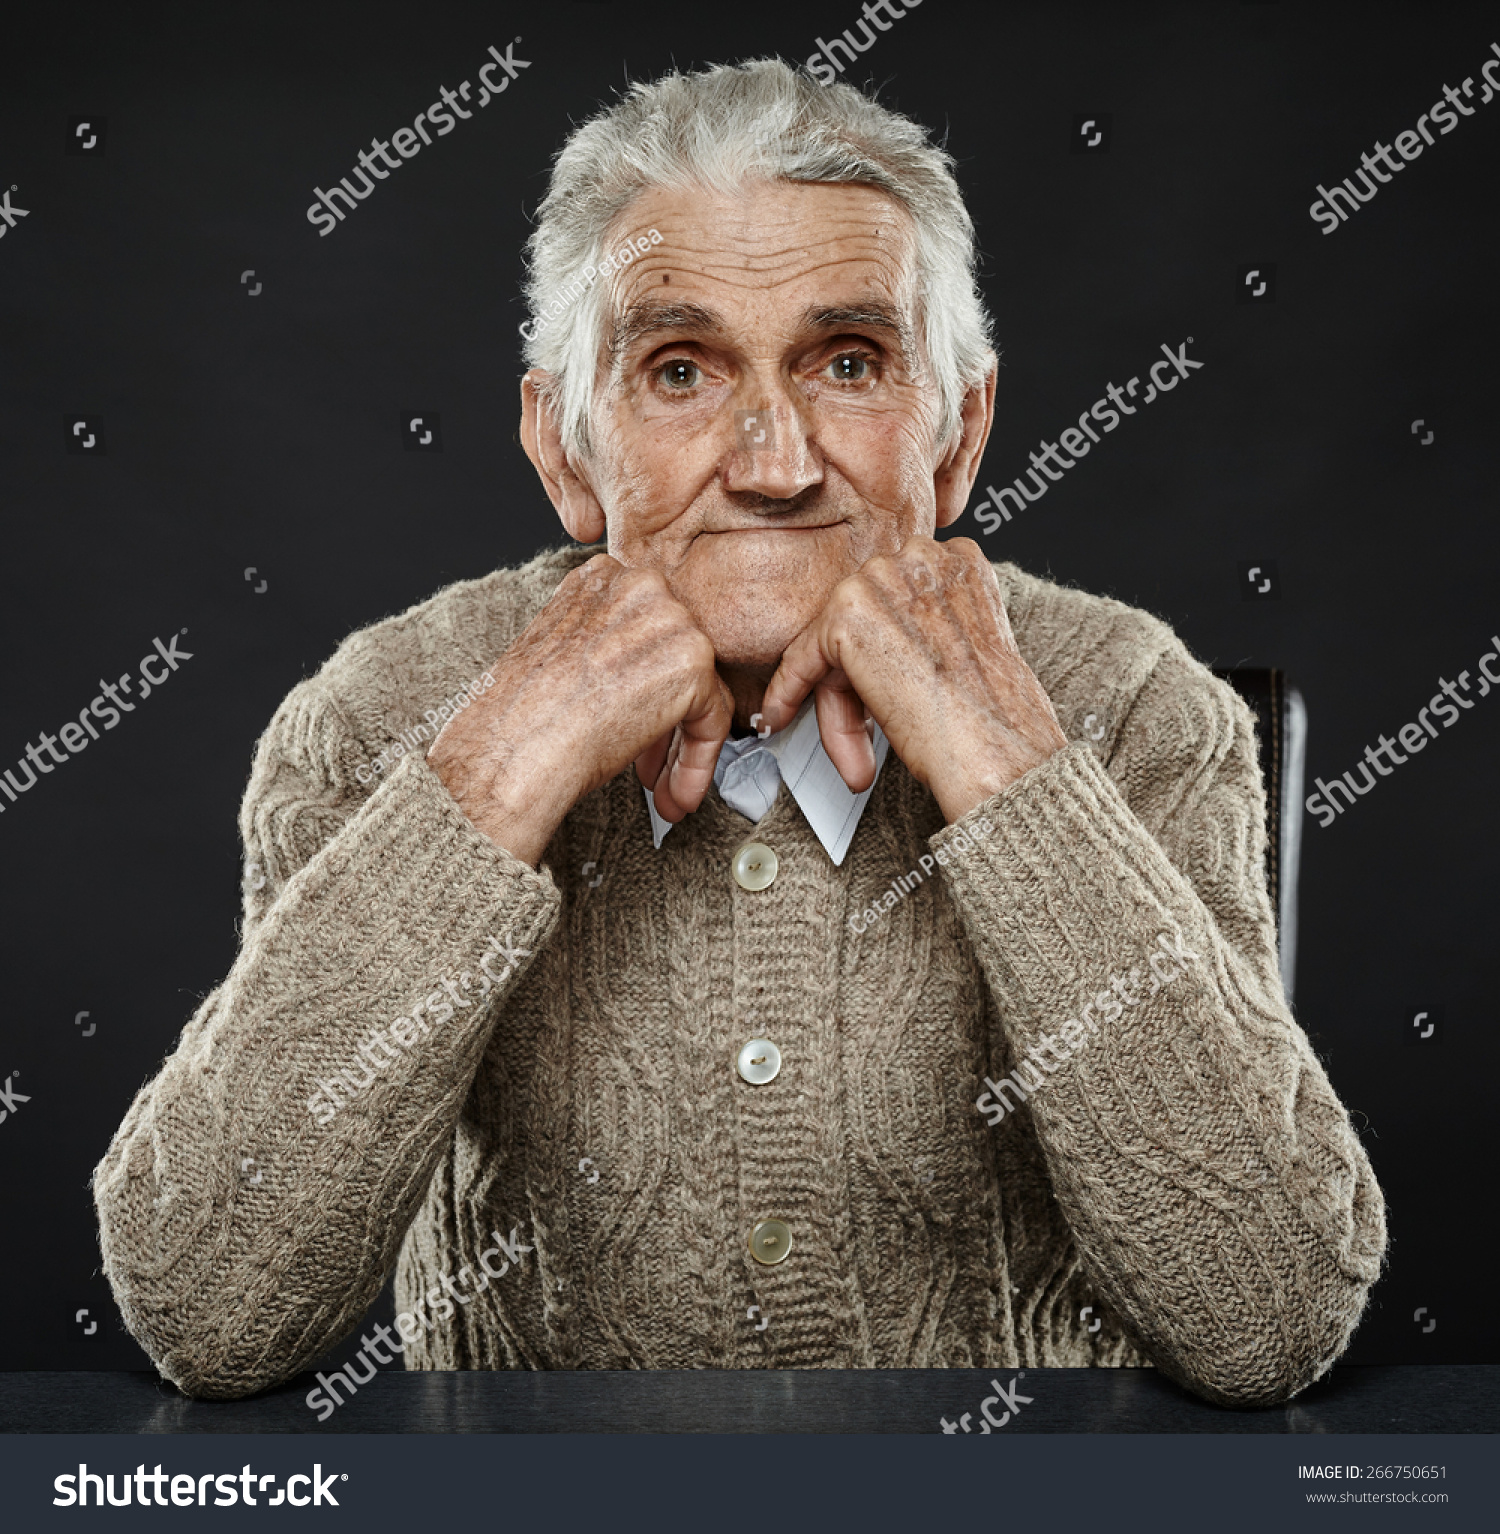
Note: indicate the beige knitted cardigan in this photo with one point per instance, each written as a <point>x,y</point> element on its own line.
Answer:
<point>1187,1183</point>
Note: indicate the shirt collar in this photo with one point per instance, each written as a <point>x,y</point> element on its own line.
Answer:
<point>826,802</point>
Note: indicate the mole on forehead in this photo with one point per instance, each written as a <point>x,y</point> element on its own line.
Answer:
<point>731,281</point>
<point>697,257</point>
<point>868,257</point>
<point>759,262</point>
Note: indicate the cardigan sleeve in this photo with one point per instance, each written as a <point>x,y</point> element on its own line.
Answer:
<point>252,1201</point>
<point>1218,1194</point>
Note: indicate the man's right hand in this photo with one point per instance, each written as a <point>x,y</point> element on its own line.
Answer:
<point>612,670</point>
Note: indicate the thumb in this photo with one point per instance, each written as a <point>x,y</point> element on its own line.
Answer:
<point>846,737</point>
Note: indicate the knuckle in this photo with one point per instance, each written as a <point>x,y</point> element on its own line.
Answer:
<point>596,573</point>
<point>855,590</point>
<point>976,565</point>
<point>642,590</point>
<point>642,578</point>
<point>843,622</point>
<point>697,650</point>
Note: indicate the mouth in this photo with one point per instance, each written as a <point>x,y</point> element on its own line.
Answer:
<point>775,527</point>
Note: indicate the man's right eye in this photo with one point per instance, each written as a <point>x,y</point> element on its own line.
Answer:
<point>679,373</point>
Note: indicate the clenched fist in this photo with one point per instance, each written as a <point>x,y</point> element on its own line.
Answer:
<point>920,641</point>
<point>612,670</point>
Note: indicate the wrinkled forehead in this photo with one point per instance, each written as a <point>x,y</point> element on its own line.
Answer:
<point>788,255</point>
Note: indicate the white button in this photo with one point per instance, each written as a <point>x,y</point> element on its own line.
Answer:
<point>754,866</point>
<point>758,1062</point>
<point>770,1241</point>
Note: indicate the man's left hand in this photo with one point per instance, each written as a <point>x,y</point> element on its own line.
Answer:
<point>920,641</point>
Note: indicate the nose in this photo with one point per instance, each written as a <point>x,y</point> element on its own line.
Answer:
<point>770,453</point>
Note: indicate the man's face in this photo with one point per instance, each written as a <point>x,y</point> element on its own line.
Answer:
<point>791,304</point>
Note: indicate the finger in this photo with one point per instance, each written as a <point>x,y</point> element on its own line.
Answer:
<point>679,767</point>
<point>649,763</point>
<point>696,747</point>
<point>661,790</point>
<point>841,724</point>
<point>803,666</point>
<point>655,768</point>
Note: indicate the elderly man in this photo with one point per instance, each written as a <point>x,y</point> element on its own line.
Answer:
<point>750,972</point>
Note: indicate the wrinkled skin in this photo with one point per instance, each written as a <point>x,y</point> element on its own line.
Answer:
<point>743,574</point>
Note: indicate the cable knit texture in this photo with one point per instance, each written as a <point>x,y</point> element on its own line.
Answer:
<point>1187,1183</point>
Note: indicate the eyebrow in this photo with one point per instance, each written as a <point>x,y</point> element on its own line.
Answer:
<point>873,314</point>
<point>647,317</point>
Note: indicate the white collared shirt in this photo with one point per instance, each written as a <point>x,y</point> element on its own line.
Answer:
<point>749,771</point>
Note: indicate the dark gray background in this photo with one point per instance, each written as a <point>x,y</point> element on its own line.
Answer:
<point>264,431</point>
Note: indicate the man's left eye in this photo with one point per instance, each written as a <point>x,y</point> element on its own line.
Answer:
<point>679,374</point>
<point>851,367</point>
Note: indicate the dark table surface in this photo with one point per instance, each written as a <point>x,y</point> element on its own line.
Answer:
<point>1412,1398</point>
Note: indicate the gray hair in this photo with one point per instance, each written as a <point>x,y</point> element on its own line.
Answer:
<point>718,128</point>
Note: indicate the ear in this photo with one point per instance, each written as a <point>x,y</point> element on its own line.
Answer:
<point>956,472</point>
<point>570,493</point>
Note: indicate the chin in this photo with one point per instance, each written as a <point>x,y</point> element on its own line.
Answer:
<point>752,645</point>
<point>752,595</point>
<point>750,622</point>
<point>749,654</point>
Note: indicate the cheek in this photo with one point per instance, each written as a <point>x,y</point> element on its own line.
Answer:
<point>643,493</point>
<point>887,460</point>
<point>670,423</point>
<point>647,448</point>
